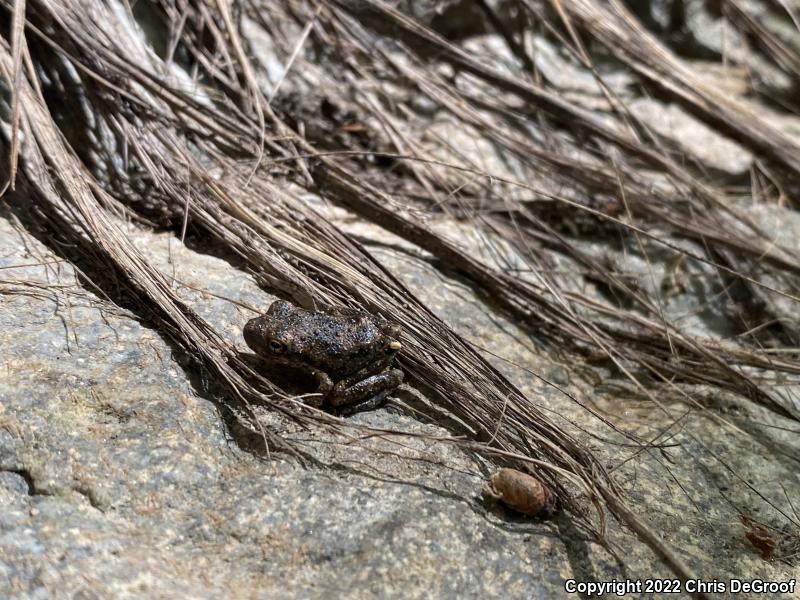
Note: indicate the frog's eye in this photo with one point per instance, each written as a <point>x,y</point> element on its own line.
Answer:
<point>277,346</point>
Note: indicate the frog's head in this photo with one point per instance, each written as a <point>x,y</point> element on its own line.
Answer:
<point>269,334</point>
<point>256,335</point>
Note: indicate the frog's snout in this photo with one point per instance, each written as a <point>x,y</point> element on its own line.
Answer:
<point>251,333</point>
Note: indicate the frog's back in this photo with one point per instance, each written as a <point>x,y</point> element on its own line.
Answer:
<point>341,345</point>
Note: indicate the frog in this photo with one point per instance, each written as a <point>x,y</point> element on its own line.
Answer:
<point>348,351</point>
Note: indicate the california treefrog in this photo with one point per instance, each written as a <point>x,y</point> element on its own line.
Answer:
<point>349,352</point>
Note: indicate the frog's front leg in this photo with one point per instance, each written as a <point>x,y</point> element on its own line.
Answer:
<point>353,395</point>
<point>324,387</point>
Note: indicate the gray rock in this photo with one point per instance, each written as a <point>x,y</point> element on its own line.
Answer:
<point>693,137</point>
<point>709,31</point>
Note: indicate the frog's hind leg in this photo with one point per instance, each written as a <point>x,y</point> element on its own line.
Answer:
<point>366,394</point>
<point>376,401</point>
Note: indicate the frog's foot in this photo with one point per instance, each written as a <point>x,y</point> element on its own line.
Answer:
<point>366,394</point>
<point>345,410</point>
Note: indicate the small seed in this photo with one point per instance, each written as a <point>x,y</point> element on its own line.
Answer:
<point>521,492</point>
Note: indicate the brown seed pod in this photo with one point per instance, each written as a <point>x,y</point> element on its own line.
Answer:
<point>521,492</point>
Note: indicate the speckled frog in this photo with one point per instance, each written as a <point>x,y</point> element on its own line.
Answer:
<point>349,352</point>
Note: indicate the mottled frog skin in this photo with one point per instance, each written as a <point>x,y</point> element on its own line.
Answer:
<point>349,352</point>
